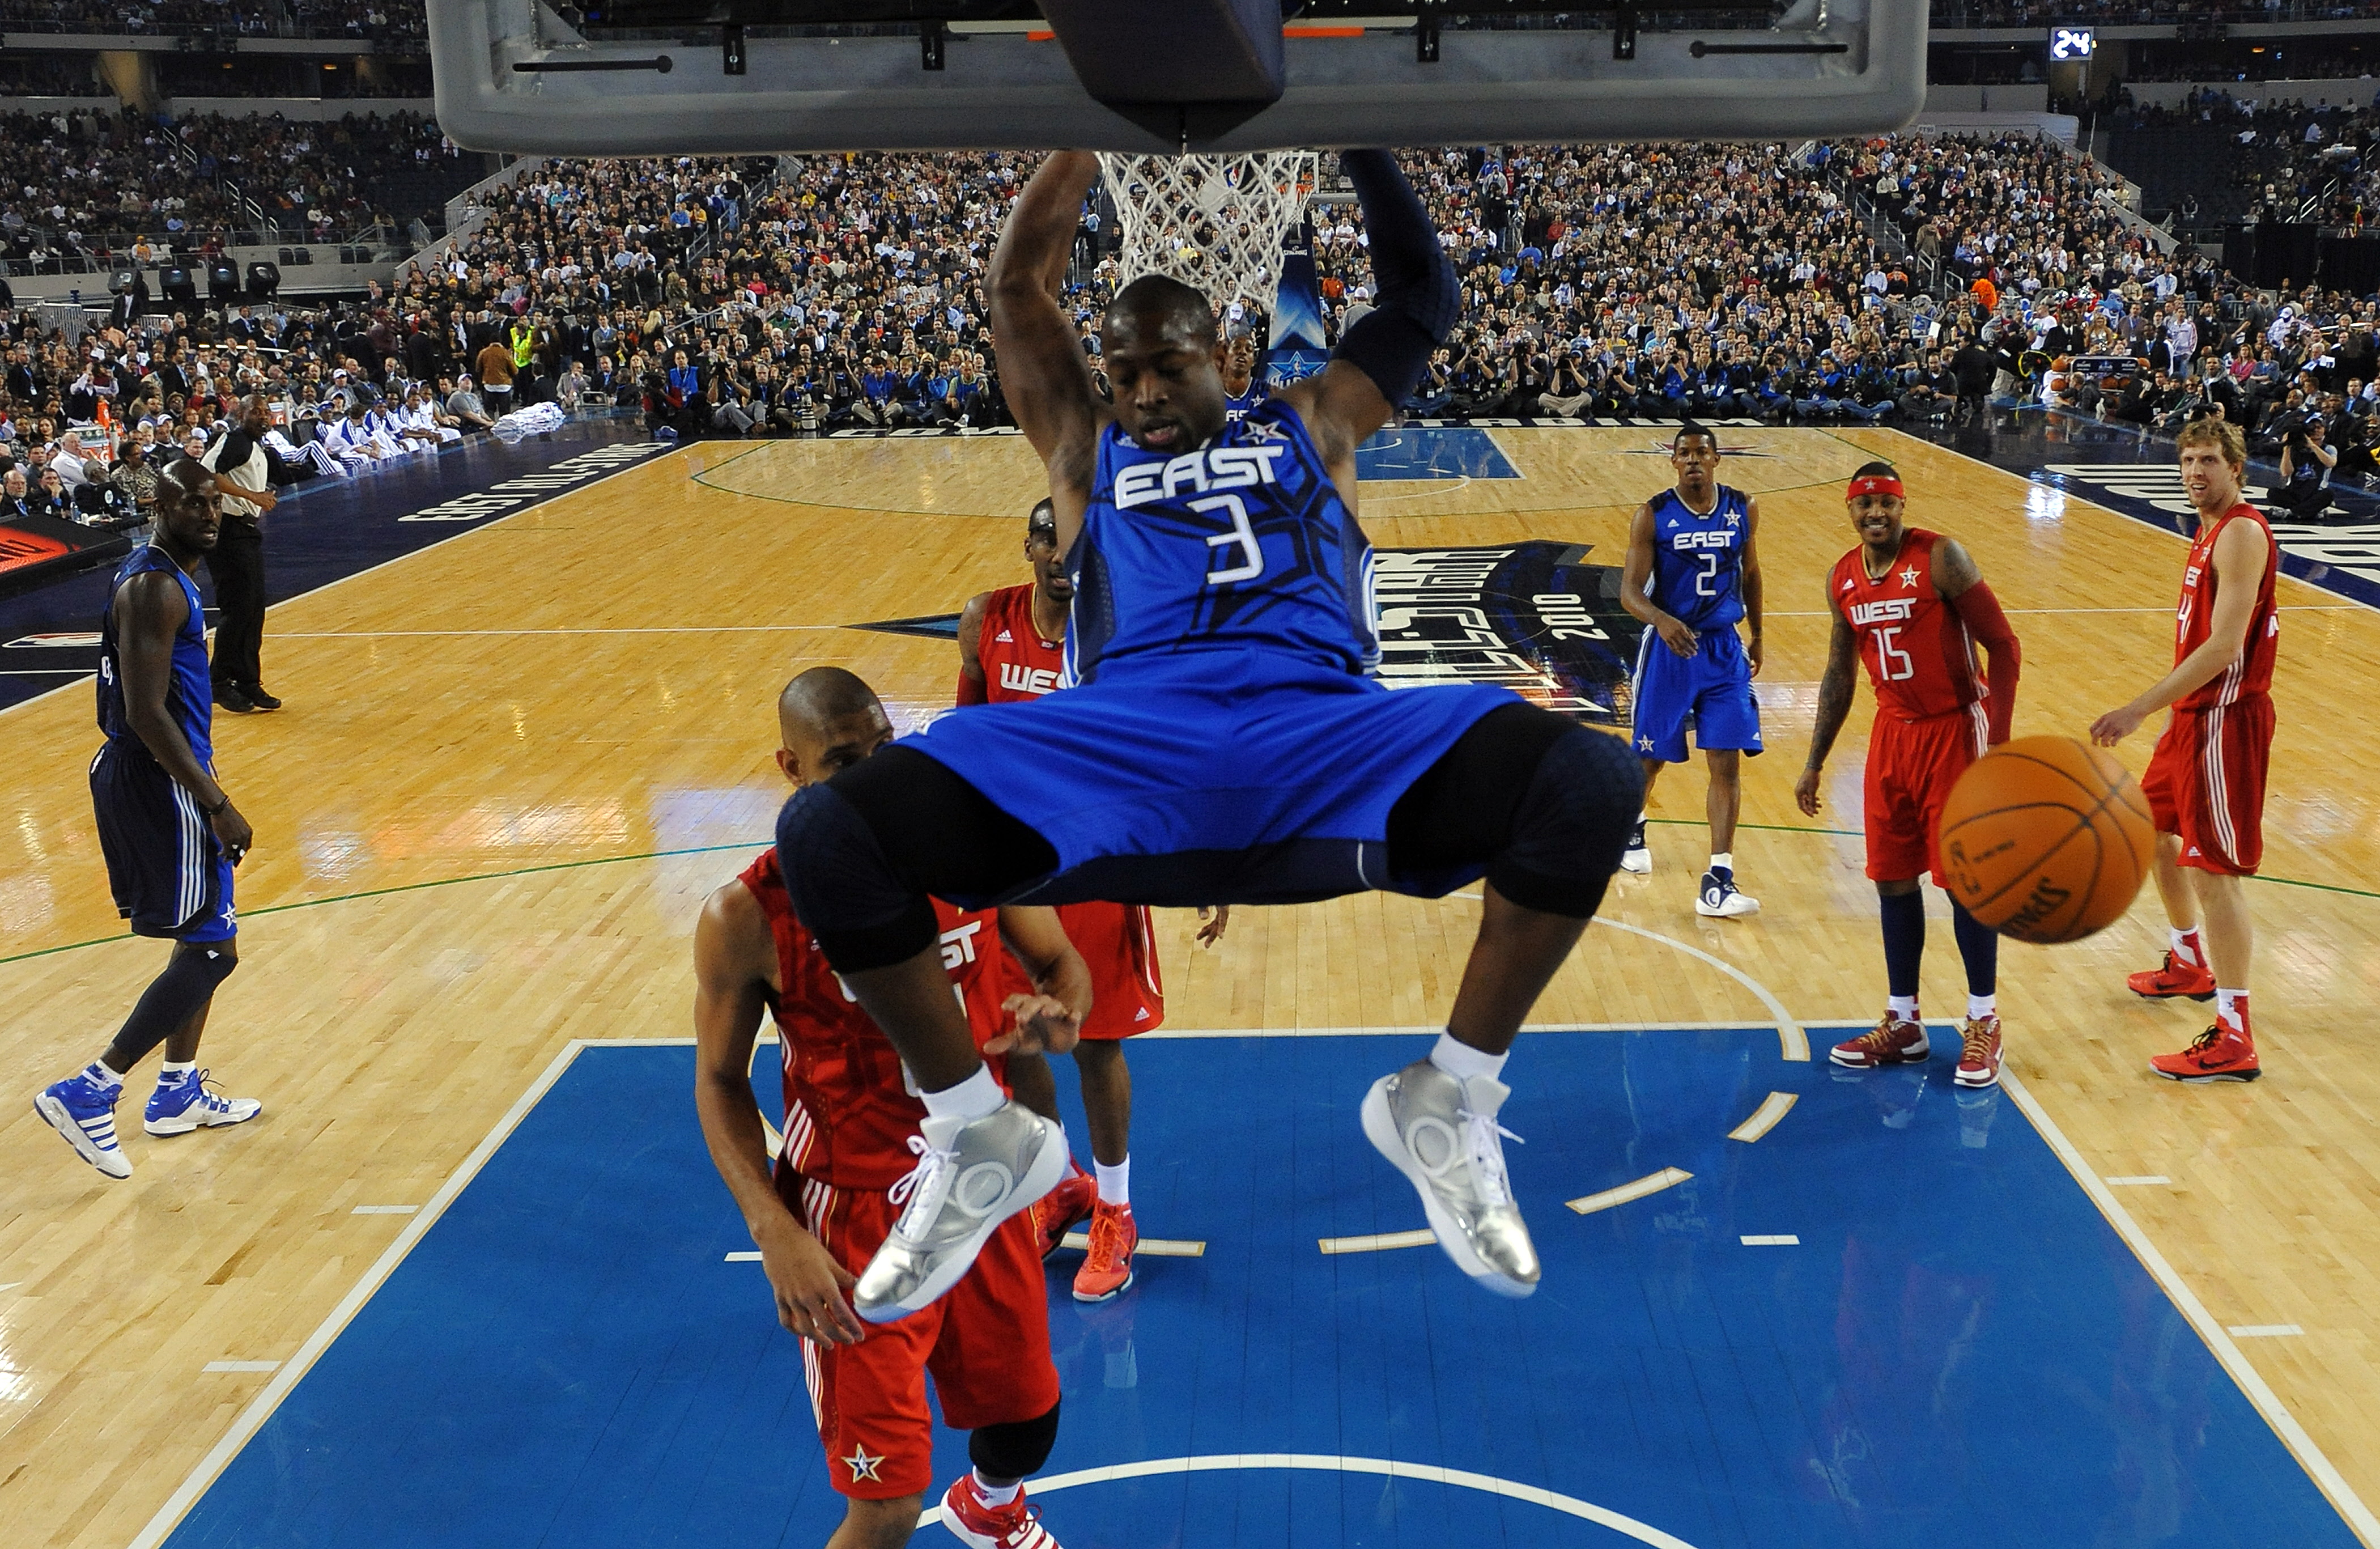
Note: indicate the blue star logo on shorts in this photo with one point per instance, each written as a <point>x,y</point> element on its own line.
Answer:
<point>862,1465</point>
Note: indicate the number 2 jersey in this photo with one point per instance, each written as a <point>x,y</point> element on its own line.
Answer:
<point>1916,647</point>
<point>850,1106</point>
<point>1698,558</point>
<point>1117,941</point>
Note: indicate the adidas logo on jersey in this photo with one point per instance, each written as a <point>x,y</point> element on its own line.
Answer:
<point>1141,1015</point>
<point>1005,639</point>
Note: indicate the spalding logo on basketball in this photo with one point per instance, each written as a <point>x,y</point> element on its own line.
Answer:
<point>2045,839</point>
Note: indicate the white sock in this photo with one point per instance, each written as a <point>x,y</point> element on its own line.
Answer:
<point>1903,1007</point>
<point>1462,1061</point>
<point>971,1099</point>
<point>171,1072</point>
<point>2231,1008</point>
<point>1645,816</point>
<point>2185,947</point>
<point>1723,861</point>
<point>1115,1183</point>
<point>996,1494</point>
<point>1981,1006</point>
<point>101,1077</point>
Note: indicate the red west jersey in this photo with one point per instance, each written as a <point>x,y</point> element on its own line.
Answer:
<point>2251,672</point>
<point>1017,663</point>
<point>1116,940</point>
<point>850,1108</point>
<point>1916,647</point>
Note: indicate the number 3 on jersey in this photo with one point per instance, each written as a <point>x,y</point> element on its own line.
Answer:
<point>1893,664</point>
<point>1252,563</point>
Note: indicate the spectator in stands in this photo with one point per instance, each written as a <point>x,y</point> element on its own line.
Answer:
<point>134,481</point>
<point>495,364</point>
<point>470,410</point>
<point>2306,463</point>
<point>15,494</point>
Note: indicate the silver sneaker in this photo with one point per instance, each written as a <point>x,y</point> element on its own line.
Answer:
<point>971,1175</point>
<point>1442,1134</point>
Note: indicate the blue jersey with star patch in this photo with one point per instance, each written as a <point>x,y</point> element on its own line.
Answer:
<point>189,693</point>
<point>1698,560</point>
<point>1242,544</point>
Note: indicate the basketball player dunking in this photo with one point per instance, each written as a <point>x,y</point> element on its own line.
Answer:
<point>2205,782</point>
<point>169,834</point>
<point>1692,570</point>
<point>1011,651</point>
<point>1911,606</point>
<point>848,1163</point>
<point>1222,740</point>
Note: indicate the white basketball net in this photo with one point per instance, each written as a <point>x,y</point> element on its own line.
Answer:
<point>1217,223</point>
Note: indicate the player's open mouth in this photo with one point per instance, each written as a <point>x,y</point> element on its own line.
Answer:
<point>1160,432</point>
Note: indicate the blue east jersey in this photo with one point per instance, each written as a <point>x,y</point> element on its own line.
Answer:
<point>1239,406</point>
<point>1215,700</point>
<point>165,866</point>
<point>1698,559</point>
<point>1697,579</point>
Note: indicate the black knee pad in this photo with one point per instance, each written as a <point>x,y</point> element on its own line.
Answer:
<point>843,889</point>
<point>1016,1450</point>
<point>1572,824</point>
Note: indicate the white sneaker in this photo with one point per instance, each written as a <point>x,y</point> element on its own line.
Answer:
<point>1636,858</point>
<point>186,1105</point>
<point>971,1175</point>
<point>1719,899</point>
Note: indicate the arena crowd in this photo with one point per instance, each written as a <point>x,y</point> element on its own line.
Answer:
<point>1719,281</point>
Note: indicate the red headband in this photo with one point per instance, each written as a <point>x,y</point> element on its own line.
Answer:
<point>1874,483</point>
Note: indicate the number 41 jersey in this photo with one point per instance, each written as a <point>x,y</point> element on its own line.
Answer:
<point>1916,649</point>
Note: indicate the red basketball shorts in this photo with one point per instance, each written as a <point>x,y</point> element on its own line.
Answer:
<point>2206,782</point>
<point>1117,943</point>
<point>986,1345</point>
<point>1910,767</point>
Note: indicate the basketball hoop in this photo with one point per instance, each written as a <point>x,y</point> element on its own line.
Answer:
<point>1218,223</point>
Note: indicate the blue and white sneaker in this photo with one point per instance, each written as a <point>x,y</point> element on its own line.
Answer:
<point>1638,857</point>
<point>84,1111</point>
<point>186,1105</point>
<point>1719,899</point>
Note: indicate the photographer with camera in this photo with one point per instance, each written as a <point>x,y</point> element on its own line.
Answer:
<point>2306,462</point>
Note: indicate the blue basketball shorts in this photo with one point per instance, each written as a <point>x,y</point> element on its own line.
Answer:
<point>1708,693</point>
<point>165,866</point>
<point>1287,767</point>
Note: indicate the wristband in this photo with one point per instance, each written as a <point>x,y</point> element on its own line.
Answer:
<point>219,808</point>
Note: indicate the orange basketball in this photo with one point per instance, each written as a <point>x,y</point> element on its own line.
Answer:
<point>2045,839</point>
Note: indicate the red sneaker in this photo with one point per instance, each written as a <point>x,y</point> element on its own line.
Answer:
<point>1891,1042</point>
<point>1107,1273</point>
<point>1056,1213</point>
<point>2220,1054</point>
<point>1014,1526</point>
<point>1979,1053</point>
<point>2176,978</point>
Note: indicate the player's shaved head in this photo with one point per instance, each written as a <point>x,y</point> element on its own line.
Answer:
<point>1158,307</point>
<point>830,719</point>
<point>1042,522</point>
<point>823,695</point>
<point>185,478</point>
<point>1690,431</point>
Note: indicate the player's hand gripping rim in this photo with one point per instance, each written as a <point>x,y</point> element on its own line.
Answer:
<point>809,1286</point>
<point>1044,1026</point>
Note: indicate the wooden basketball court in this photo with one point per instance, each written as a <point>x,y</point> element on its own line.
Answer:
<point>513,764</point>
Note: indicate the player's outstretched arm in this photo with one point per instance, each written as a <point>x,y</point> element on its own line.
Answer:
<point>1960,583</point>
<point>732,945</point>
<point>1835,689</point>
<point>1415,309</point>
<point>1042,372</point>
<point>1049,1020</point>
<point>2242,553</point>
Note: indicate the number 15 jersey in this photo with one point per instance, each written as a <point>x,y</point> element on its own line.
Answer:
<point>1916,649</point>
